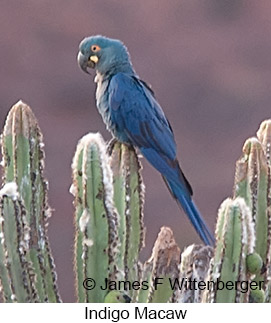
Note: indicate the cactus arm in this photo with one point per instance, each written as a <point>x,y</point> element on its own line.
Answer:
<point>165,261</point>
<point>146,277</point>
<point>231,235</point>
<point>23,161</point>
<point>235,238</point>
<point>195,261</point>
<point>16,273</point>
<point>119,182</point>
<point>264,136</point>
<point>96,220</point>
<point>129,200</point>
<point>251,184</point>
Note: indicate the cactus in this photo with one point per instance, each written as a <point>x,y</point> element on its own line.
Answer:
<point>107,205</point>
<point>253,183</point>
<point>235,241</point>
<point>129,200</point>
<point>96,219</point>
<point>27,213</point>
<point>195,261</point>
<point>161,270</point>
<point>264,136</point>
<point>16,274</point>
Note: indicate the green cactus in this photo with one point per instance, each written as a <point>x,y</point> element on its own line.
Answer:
<point>96,219</point>
<point>28,212</point>
<point>253,183</point>
<point>16,273</point>
<point>129,200</point>
<point>264,135</point>
<point>235,241</point>
<point>146,279</point>
<point>97,191</point>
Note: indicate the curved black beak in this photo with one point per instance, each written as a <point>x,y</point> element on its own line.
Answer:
<point>84,62</point>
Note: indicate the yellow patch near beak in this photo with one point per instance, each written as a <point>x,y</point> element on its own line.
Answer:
<point>94,59</point>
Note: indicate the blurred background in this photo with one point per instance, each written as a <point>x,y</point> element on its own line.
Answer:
<point>209,63</point>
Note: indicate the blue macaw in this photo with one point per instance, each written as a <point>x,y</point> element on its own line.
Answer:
<point>132,114</point>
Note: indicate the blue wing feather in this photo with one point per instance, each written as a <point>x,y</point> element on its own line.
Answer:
<point>132,104</point>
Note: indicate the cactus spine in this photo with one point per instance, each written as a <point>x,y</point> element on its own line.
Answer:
<point>26,212</point>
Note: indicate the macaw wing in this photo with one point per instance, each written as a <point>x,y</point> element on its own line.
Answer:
<point>135,111</point>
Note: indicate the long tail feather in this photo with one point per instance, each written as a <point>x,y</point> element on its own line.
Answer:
<point>189,207</point>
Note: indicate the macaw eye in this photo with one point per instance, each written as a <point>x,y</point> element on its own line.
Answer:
<point>95,48</point>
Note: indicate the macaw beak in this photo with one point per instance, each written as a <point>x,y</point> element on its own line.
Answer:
<point>84,62</point>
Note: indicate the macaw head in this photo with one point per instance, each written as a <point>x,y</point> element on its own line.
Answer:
<point>103,54</point>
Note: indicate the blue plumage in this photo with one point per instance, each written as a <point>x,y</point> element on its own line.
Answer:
<point>132,114</point>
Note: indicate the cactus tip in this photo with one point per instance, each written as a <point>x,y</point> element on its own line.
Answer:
<point>250,144</point>
<point>265,127</point>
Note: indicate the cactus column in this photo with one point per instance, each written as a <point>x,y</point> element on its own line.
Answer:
<point>96,219</point>
<point>161,270</point>
<point>253,183</point>
<point>129,200</point>
<point>26,213</point>
<point>235,241</point>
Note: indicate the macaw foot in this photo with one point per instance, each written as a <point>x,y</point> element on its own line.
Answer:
<point>113,141</point>
<point>110,145</point>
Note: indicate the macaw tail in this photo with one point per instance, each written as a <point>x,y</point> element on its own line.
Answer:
<point>189,207</point>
